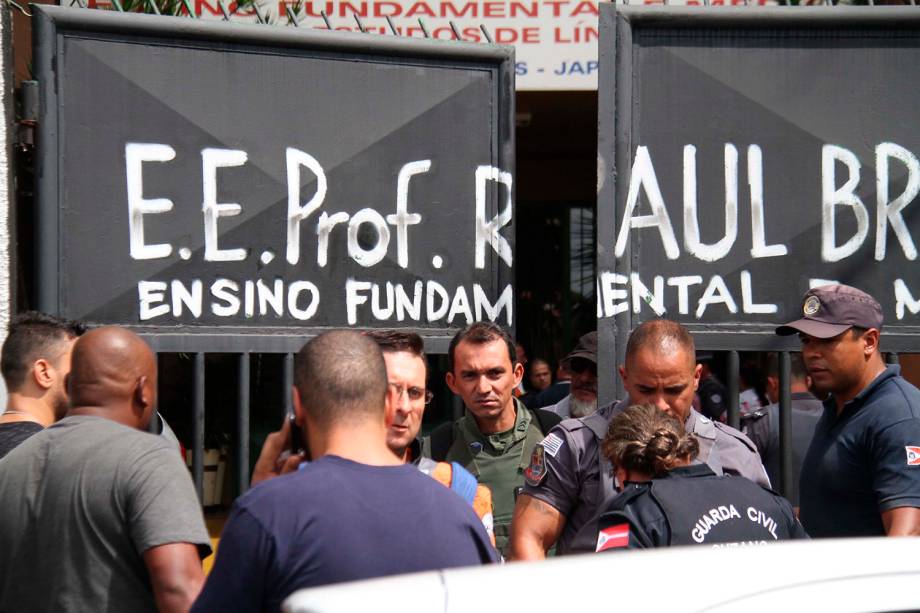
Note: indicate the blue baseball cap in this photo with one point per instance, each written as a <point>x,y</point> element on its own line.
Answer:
<point>831,310</point>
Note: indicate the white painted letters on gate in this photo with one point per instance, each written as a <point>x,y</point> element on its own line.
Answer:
<point>833,197</point>
<point>643,177</point>
<point>889,212</point>
<point>211,160</point>
<point>487,231</point>
<point>294,159</point>
<point>692,243</point>
<point>138,206</point>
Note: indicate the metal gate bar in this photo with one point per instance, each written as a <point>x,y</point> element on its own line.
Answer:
<point>288,382</point>
<point>243,408</point>
<point>734,409</point>
<point>198,425</point>
<point>242,424</point>
<point>785,425</point>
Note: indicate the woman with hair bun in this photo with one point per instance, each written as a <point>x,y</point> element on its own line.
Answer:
<point>668,499</point>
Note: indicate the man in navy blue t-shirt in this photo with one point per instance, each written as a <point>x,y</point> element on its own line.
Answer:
<point>355,512</point>
<point>861,474</point>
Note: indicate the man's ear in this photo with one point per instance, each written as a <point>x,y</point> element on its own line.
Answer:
<point>42,373</point>
<point>870,341</point>
<point>297,404</point>
<point>141,394</point>
<point>623,376</point>
<point>391,403</point>
<point>451,382</point>
<point>518,373</point>
<point>696,376</point>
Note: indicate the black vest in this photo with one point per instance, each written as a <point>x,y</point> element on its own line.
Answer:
<point>705,509</point>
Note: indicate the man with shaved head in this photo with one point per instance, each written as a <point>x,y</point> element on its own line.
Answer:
<point>97,514</point>
<point>356,511</point>
<point>568,481</point>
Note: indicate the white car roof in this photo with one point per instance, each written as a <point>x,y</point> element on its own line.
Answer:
<point>842,575</point>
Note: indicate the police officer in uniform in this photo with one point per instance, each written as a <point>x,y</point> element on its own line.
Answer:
<point>569,478</point>
<point>712,394</point>
<point>762,426</point>
<point>861,473</point>
<point>668,500</point>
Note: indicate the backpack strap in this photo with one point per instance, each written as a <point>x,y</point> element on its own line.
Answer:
<point>598,422</point>
<point>463,482</point>
<point>546,420</point>
<point>441,440</point>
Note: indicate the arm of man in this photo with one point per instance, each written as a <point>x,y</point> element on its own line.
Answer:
<point>902,521</point>
<point>535,527</point>
<point>895,480</point>
<point>273,460</point>
<point>551,489</point>
<point>165,522</point>
<point>175,576</point>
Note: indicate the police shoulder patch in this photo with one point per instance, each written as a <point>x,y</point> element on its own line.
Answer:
<point>536,472</point>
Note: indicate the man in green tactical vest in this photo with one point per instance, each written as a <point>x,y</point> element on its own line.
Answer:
<point>497,436</point>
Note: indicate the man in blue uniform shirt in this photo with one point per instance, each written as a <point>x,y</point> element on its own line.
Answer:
<point>861,474</point>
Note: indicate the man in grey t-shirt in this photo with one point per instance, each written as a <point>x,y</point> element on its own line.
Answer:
<point>97,514</point>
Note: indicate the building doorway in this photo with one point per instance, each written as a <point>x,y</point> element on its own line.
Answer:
<point>555,255</point>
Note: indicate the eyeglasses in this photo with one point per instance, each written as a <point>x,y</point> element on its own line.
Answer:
<point>415,393</point>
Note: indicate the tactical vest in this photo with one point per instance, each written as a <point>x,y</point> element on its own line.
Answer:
<point>460,451</point>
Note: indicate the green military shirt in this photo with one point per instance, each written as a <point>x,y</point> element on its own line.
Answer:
<point>498,461</point>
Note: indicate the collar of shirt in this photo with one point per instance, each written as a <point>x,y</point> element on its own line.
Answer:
<point>691,470</point>
<point>500,441</point>
<point>696,423</point>
<point>852,406</point>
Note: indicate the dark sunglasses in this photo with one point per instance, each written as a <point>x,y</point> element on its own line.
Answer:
<point>580,365</point>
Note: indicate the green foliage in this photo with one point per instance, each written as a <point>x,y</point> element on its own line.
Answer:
<point>177,7</point>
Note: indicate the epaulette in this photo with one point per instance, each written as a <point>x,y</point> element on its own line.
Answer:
<point>753,416</point>
<point>737,435</point>
<point>573,424</point>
